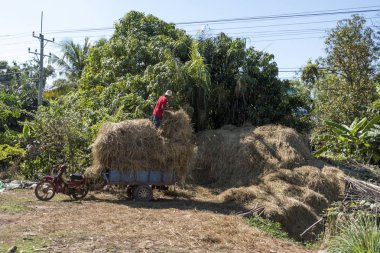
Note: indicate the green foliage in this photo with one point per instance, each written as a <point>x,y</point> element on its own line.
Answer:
<point>198,86</point>
<point>343,87</point>
<point>73,60</point>
<point>360,140</point>
<point>271,227</point>
<point>222,81</point>
<point>9,111</point>
<point>60,88</point>
<point>244,86</point>
<point>18,100</point>
<point>344,83</point>
<point>7,151</point>
<point>357,235</point>
<point>352,50</point>
<point>376,104</point>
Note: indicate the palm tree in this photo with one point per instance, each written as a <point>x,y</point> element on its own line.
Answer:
<point>73,60</point>
<point>199,80</point>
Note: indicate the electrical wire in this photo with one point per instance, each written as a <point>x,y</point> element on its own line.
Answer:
<point>285,16</point>
<point>375,8</point>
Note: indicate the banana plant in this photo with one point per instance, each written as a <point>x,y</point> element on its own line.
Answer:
<point>361,139</point>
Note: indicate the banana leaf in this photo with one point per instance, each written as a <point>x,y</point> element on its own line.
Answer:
<point>338,128</point>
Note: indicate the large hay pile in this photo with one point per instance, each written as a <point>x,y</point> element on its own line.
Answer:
<point>269,166</point>
<point>234,156</point>
<point>135,145</point>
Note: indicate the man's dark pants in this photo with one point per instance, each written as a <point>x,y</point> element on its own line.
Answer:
<point>156,121</point>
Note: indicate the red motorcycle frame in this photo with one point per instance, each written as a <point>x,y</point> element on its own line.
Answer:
<point>76,187</point>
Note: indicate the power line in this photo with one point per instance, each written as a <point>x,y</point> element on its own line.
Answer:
<point>276,25</point>
<point>256,34</point>
<point>290,15</point>
<point>284,16</point>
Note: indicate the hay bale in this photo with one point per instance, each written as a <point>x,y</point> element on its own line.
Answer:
<point>179,156</point>
<point>328,181</point>
<point>287,146</point>
<point>295,217</point>
<point>234,156</point>
<point>315,200</point>
<point>285,175</point>
<point>242,195</point>
<point>135,145</point>
<point>335,185</point>
<point>176,125</point>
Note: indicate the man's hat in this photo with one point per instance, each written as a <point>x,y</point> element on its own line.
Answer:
<point>168,93</point>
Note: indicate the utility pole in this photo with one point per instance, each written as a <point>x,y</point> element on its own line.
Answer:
<point>42,40</point>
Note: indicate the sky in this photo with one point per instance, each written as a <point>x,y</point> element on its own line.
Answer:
<point>292,41</point>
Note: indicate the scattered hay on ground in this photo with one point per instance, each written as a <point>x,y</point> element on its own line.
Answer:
<point>295,198</point>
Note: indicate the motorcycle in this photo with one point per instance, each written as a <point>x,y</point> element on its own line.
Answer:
<point>76,187</point>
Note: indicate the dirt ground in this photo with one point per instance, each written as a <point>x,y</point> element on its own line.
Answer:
<point>103,222</point>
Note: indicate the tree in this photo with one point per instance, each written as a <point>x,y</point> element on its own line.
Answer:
<point>74,59</point>
<point>143,58</point>
<point>198,83</point>
<point>352,53</point>
<point>343,88</point>
<point>18,100</point>
<point>348,86</point>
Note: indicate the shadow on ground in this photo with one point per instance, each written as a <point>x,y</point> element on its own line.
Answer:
<point>181,201</point>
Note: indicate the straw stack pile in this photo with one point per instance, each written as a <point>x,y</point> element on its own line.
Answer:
<point>269,166</point>
<point>135,145</point>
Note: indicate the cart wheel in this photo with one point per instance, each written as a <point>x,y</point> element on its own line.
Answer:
<point>143,193</point>
<point>44,190</point>
<point>81,192</point>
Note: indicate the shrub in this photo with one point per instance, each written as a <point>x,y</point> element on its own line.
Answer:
<point>357,235</point>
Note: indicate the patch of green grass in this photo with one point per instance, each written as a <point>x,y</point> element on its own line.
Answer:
<point>15,205</point>
<point>271,227</point>
<point>312,245</point>
<point>356,235</point>
<point>26,244</point>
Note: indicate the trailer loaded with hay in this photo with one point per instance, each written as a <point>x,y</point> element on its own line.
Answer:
<point>134,154</point>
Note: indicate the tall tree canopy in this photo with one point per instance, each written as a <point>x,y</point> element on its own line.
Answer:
<point>343,86</point>
<point>344,81</point>
<point>73,60</point>
<point>222,80</point>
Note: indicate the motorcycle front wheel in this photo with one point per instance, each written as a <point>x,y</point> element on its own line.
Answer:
<point>44,190</point>
<point>81,191</point>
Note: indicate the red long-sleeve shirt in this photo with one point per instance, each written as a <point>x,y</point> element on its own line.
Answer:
<point>160,106</point>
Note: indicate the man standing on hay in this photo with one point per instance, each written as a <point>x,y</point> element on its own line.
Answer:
<point>158,111</point>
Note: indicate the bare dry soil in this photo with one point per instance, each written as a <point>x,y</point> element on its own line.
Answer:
<point>103,222</point>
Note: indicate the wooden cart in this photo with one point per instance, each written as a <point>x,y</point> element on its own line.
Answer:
<point>140,184</point>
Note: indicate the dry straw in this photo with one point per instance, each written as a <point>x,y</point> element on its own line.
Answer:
<point>135,145</point>
<point>270,166</point>
<point>239,156</point>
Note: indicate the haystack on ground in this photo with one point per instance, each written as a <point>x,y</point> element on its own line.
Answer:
<point>295,198</point>
<point>269,166</point>
<point>238,156</point>
<point>135,145</point>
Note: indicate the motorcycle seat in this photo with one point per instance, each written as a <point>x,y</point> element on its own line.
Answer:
<point>76,176</point>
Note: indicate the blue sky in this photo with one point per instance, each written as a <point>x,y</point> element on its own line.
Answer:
<point>292,41</point>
